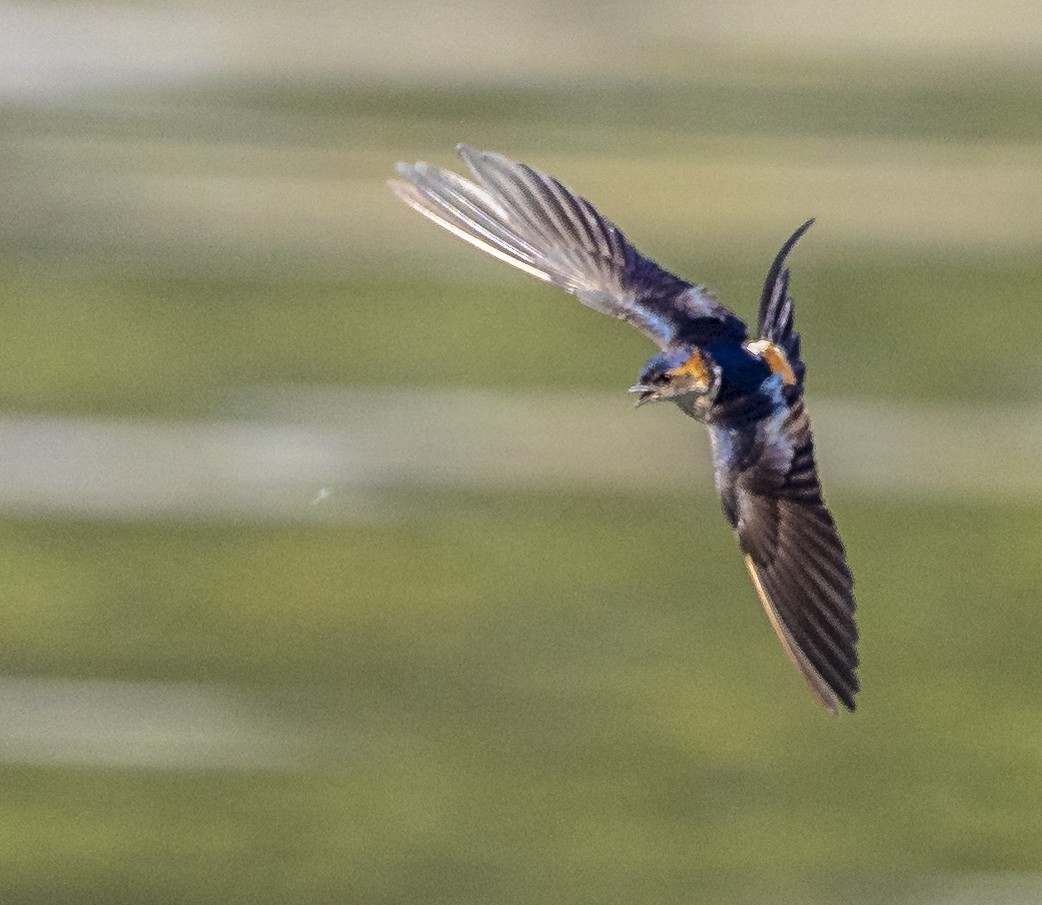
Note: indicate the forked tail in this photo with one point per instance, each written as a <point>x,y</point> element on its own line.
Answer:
<point>777,310</point>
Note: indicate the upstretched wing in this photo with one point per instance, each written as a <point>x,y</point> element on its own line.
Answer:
<point>797,562</point>
<point>528,219</point>
<point>777,312</point>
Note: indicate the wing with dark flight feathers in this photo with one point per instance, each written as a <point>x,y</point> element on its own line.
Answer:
<point>794,554</point>
<point>775,322</point>
<point>529,220</point>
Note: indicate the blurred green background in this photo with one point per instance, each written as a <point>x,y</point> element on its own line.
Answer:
<point>338,567</point>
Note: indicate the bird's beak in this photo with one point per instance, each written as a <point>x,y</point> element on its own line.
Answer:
<point>645,394</point>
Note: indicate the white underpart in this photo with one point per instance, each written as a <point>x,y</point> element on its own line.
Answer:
<point>777,443</point>
<point>722,443</point>
<point>772,439</point>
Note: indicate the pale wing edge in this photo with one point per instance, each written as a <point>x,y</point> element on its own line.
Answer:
<point>821,689</point>
<point>437,210</point>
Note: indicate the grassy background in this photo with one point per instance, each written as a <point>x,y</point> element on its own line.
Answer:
<point>540,696</point>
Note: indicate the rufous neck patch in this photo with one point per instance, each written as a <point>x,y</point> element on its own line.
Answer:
<point>695,367</point>
<point>776,359</point>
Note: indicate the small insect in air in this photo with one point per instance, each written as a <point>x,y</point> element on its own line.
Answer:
<point>748,392</point>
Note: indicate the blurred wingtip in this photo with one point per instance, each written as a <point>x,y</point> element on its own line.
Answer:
<point>467,153</point>
<point>402,188</point>
<point>826,695</point>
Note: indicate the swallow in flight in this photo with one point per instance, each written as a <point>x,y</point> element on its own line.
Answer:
<point>748,392</point>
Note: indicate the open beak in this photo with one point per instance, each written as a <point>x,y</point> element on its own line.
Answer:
<point>645,394</point>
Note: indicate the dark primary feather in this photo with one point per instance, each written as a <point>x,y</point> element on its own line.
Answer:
<point>795,556</point>
<point>531,221</point>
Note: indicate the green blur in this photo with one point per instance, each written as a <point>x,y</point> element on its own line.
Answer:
<point>516,697</point>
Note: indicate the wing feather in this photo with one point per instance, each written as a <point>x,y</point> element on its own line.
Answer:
<point>533,222</point>
<point>815,681</point>
<point>794,553</point>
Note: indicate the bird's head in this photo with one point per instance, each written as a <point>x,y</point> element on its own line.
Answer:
<point>676,373</point>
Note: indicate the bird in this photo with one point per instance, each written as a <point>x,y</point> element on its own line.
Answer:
<point>749,392</point>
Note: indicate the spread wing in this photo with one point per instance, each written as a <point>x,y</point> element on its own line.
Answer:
<point>528,219</point>
<point>777,311</point>
<point>771,493</point>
